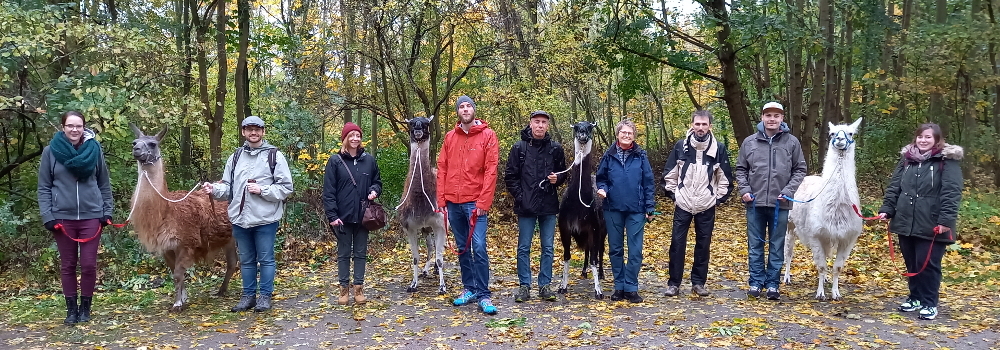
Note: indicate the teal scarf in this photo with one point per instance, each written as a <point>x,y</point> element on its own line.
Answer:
<point>81,161</point>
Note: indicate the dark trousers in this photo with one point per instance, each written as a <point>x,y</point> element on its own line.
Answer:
<point>352,245</point>
<point>704,223</point>
<point>72,253</point>
<point>926,285</point>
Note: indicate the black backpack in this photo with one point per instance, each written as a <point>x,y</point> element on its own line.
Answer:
<point>272,160</point>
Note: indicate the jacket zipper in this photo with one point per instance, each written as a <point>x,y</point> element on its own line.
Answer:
<point>932,177</point>
<point>78,199</point>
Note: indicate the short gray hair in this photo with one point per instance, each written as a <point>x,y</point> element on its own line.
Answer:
<point>625,122</point>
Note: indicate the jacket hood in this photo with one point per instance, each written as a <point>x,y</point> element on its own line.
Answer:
<point>713,144</point>
<point>478,126</point>
<point>527,136</point>
<point>954,152</point>
<point>361,153</point>
<point>783,128</point>
<point>264,145</point>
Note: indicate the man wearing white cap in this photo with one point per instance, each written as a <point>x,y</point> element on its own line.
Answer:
<point>770,167</point>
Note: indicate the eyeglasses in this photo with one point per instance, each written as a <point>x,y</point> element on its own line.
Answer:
<point>73,127</point>
<point>625,133</point>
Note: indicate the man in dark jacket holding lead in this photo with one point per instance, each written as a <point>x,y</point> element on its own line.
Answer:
<point>697,177</point>
<point>531,179</point>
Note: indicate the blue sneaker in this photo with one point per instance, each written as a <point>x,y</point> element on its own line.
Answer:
<point>464,298</point>
<point>487,306</point>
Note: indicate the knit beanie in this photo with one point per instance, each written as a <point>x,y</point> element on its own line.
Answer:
<point>348,127</point>
<point>462,99</point>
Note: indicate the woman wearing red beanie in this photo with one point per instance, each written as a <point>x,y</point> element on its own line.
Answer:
<point>352,178</point>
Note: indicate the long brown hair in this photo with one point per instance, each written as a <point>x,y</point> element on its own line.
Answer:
<point>935,130</point>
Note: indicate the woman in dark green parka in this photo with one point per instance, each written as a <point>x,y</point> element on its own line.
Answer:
<point>922,204</point>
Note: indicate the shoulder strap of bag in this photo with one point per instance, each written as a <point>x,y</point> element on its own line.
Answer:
<point>348,170</point>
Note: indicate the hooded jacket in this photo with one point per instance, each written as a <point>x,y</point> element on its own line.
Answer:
<point>698,180</point>
<point>530,162</point>
<point>467,166</point>
<point>61,196</point>
<point>258,209</point>
<point>628,182</point>
<point>924,194</point>
<point>342,197</point>
<point>768,167</point>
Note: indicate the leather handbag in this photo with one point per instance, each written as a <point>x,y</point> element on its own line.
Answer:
<point>373,217</point>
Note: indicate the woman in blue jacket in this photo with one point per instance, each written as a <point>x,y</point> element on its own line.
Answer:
<point>625,181</point>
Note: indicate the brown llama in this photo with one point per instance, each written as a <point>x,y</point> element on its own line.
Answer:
<point>417,213</point>
<point>183,228</point>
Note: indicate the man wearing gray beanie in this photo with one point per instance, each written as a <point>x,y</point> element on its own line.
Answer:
<point>466,179</point>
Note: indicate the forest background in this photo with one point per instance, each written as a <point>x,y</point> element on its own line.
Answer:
<point>308,66</point>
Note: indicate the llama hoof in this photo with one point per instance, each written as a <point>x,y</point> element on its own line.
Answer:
<point>598,295</point>
<point>423,274</point>
<point>177,308</point>
<point>821,297</point>
<point>411,289</point>
<point>561,291</point>
<point>442,291</point>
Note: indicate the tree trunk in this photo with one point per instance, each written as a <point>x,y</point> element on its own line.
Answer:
<point>832,79</point>
<point>996,98</point>
<point>184,40</point>
<point>347,11</point>
<point>733,94</point>
<point>216,124</point>
<point>242,71</point>
<point>201,30</point>
<point>848,86</point>
<point>796,78</point>
<point>936,111</point>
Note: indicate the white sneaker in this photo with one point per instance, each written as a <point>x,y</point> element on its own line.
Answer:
<point>928,312</point>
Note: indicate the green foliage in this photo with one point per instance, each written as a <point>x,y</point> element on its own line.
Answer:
<point>979,217</point>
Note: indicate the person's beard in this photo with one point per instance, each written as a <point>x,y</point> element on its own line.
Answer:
<point>702,138</point>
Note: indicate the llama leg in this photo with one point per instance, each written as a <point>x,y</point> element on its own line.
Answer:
<point>429,243</point>
<point>439,240</point>
<point>413,238</point>
<point>566,241</point>
<point>594,261</point>
<point>820,251</point>
<point>586,263</point>
<point>179,291</point>
<point>790,239</point>
<point>232,265</point>
<point>843,252</point>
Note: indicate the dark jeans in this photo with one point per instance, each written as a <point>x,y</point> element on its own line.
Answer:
<point>926,285</point>
<point>625,228</point>
<point>473,262</point>
<point>352,244</point>
<point>704,223</point>
<point>256,247</point>
<point>71,252</point>
<point>546,234</point>
<point>761,228</point>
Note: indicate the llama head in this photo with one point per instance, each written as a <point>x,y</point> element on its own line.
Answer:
<point>420,128</point>
<point>842,136</point>
<point>583,132</point>
<point>145,148</point>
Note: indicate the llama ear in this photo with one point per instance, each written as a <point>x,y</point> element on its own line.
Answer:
<point>431,118</point>
<point>135,130</point>
<point>406,120</point>
<point>831,126</point>
<point>159,135</point>
<point>857,123</point>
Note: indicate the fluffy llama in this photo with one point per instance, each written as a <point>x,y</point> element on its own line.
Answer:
<point>181,227</point>
<point>828,223</point>
<point>580,216</point>
<point>417,212</point>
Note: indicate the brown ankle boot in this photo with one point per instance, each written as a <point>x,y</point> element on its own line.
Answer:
<point>344,296</point>
<point>359,297</point>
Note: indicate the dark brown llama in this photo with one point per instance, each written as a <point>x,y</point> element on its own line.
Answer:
<point>183,228</point>
<point>580,216</point>
<point>418,214</point>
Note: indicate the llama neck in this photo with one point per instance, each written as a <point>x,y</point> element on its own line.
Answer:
<point>839,165</point>
<point>149,208</point>
<point>580,173</point>
<point>152,174</point>
<point>581,151</point>
<point>421,175</point>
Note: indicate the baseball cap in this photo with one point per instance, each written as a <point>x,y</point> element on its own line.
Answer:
<point>252,120</point>
<point>540,113</point>
<point>774,105</point>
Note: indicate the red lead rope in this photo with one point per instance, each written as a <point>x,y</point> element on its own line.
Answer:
<point>98,234</point>
<point>892,249</point>
<point>468,241</point>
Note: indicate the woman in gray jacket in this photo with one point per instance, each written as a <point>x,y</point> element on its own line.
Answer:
<point>74,197</point>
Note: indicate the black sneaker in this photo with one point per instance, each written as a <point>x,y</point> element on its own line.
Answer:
<point>753,292</point>
<point>633,297</point>
<point>545,293</point>
<point>773,294</point>
<point>247,302</point>
<point>523,293</point>
<point>618,295</point>
<point>263,303</point>
<point>672,291</point>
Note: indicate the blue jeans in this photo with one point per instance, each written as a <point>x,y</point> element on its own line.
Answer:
<point>525,232</point>
<point>622,227</point>
<point>473,262</point>
<point>760,221</point>
<point>256,247</point>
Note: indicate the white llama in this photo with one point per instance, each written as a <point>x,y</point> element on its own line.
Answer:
<point>828,223</point>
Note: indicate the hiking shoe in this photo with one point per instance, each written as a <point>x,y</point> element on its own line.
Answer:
<point>633,297</point>
<point>487,306</point>
<point>909,305</point>
<point>672,291</point>
<point>773,294</point>
<point>545,293</point>
<point>246,302</point>
<point>700,290</point>
<point>753,292</point>
<point>263,303</point>
<point>618,295</point>
<point>464,298</point>
<point>928,312</point>
<point>523,294</point>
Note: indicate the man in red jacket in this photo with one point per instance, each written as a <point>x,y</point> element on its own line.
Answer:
<point>466,179</point>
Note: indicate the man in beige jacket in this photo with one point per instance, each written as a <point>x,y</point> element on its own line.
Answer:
<point>697,178</point>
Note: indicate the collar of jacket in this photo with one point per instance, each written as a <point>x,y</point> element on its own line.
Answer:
<point>762,135</point>
<point>478,125</point>
<point>530,139</point>
<point>713,146</point>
